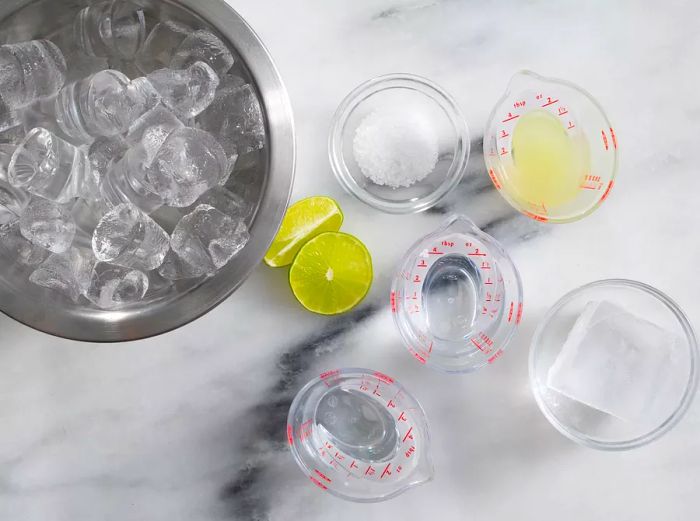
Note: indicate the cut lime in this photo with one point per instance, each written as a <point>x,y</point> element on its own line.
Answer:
<point>331,274</point>
<point>304,220</point>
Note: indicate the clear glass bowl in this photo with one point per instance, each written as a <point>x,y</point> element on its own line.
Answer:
<point>589,426</point>
<point>411,93</point>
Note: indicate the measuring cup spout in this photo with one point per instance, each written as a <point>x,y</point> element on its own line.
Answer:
<point>523,80</point>
<point>458,223</point>
<point>424,473</point>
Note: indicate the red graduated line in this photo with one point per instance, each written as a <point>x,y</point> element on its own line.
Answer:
<point>436,253</point>
<point>407,435</point>
<point>478,346</point>
<point>322,475</point>
<point>565,112</point>
<point>550,103</point>
<point>318,483</point>
<point>510,118</point>
<point>386,471</point>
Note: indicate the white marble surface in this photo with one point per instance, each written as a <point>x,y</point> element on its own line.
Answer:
<point>190,426</point>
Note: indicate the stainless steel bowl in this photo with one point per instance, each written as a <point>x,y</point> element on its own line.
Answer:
<point>272,171</point>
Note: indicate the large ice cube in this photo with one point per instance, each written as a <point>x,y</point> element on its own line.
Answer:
<point>113,287</point>
<point>235,117</point>
<point>13,201</point>
<point>152,129</point>
<point>128,237</point>
<point>203,46</point>
<point>208,238</point>
<point>186,92</point>
<point>48,224</point>
<point>189,163</point>
<point>162,42</point>
<point>618,363</point>
<point>176,268</point>
<point>68,272</point>
<point>14,246</point>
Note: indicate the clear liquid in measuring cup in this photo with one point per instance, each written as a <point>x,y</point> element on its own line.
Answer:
<point>358,425</point>
<point>451,296</point>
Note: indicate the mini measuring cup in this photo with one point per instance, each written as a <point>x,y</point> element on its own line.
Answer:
<point>457,298</point>
<point>359,435</point>
<point>584,120</point>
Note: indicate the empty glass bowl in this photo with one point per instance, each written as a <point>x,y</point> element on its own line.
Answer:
<point>635,358</point>
<point>410,95</point>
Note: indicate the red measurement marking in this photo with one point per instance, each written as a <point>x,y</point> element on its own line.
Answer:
<point>383,377</point>
<point>418,356</point>
<point>571,125</point>
<point>496,356</point>
<point>587,187</point>
<point>435,251</point>
<point>408,434</point>
<point>550,101</point>
<point>481,348</point>
<point>339,456</point>
<point>489,297</point>
<point>386,471</point>
<point>562,111</point>
<point>422,264</point>
<point>488,282</point>
<point>487,339</point>
<point>510,117</point>
<point>476,253</point>
<point>402,417</point>
<point>519,104</point>
<point>410,451</point>
<point>329,373</point>
<point>485,265</point>
<point>504,134</point>
<point>448,244</point>
<point>607,191</point>
<point>504,152</point>
<point>392,299</point>
<point>290,434</point>
<point>305,430</point>
<point>416,279</point>
<point>322,476</point>
<point>614,139</point>
<point>318,483</point>
<point>605,139</point>
<point>370,471</point>
<point>430,348</point>
<point>494,180</point>
<point>520,313</point>
<point>391,404</point>
<point>510,313</point>
<point>353,465</point>
<point>536,217</point>
<point>376,391</point>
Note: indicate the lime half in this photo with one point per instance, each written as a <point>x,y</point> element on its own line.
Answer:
<point>303,221</point>
<point>331,274</point>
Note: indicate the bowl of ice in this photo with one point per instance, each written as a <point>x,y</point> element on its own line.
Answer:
<point>146,160</point>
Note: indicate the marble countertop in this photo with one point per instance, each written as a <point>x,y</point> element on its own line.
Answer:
<point>190,425</point>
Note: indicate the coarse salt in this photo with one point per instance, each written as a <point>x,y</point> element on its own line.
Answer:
<point>395,148</point>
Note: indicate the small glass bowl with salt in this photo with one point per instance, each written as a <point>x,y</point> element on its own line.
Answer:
<point>399,143</point>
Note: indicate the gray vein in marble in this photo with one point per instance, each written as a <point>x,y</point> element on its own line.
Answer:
<point>245,495</point>
<point>393,12</point>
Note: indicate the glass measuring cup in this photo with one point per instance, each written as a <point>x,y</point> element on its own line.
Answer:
<point>359,435</point>
<point>457,298</point>
<point>578,176</point>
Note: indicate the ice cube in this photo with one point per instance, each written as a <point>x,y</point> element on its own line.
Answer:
<point>104,104</point>
<point>14,246</point>
<point>152,129</point>
<point>128,237</point>
<point>176,268</point>
<point>12,136</point>
<point>618,363</point>
<point>103,154</point>
<point>29,71</point>
<point>68,273</point>
<point>208,238</point>
<point>111,28</point>
<point>87,214</point>
<point>162,42</point>
<point>226,202</point>
<point>188,164</point>
<point>113,286</point>
<point>47,224</point>
<point>13,202</point>
<point>126,182</point>
<point>203,46</point>
<point>186,92</point>
<point>236,119</point>
<point>6,151</point>
<point>9,118</point>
